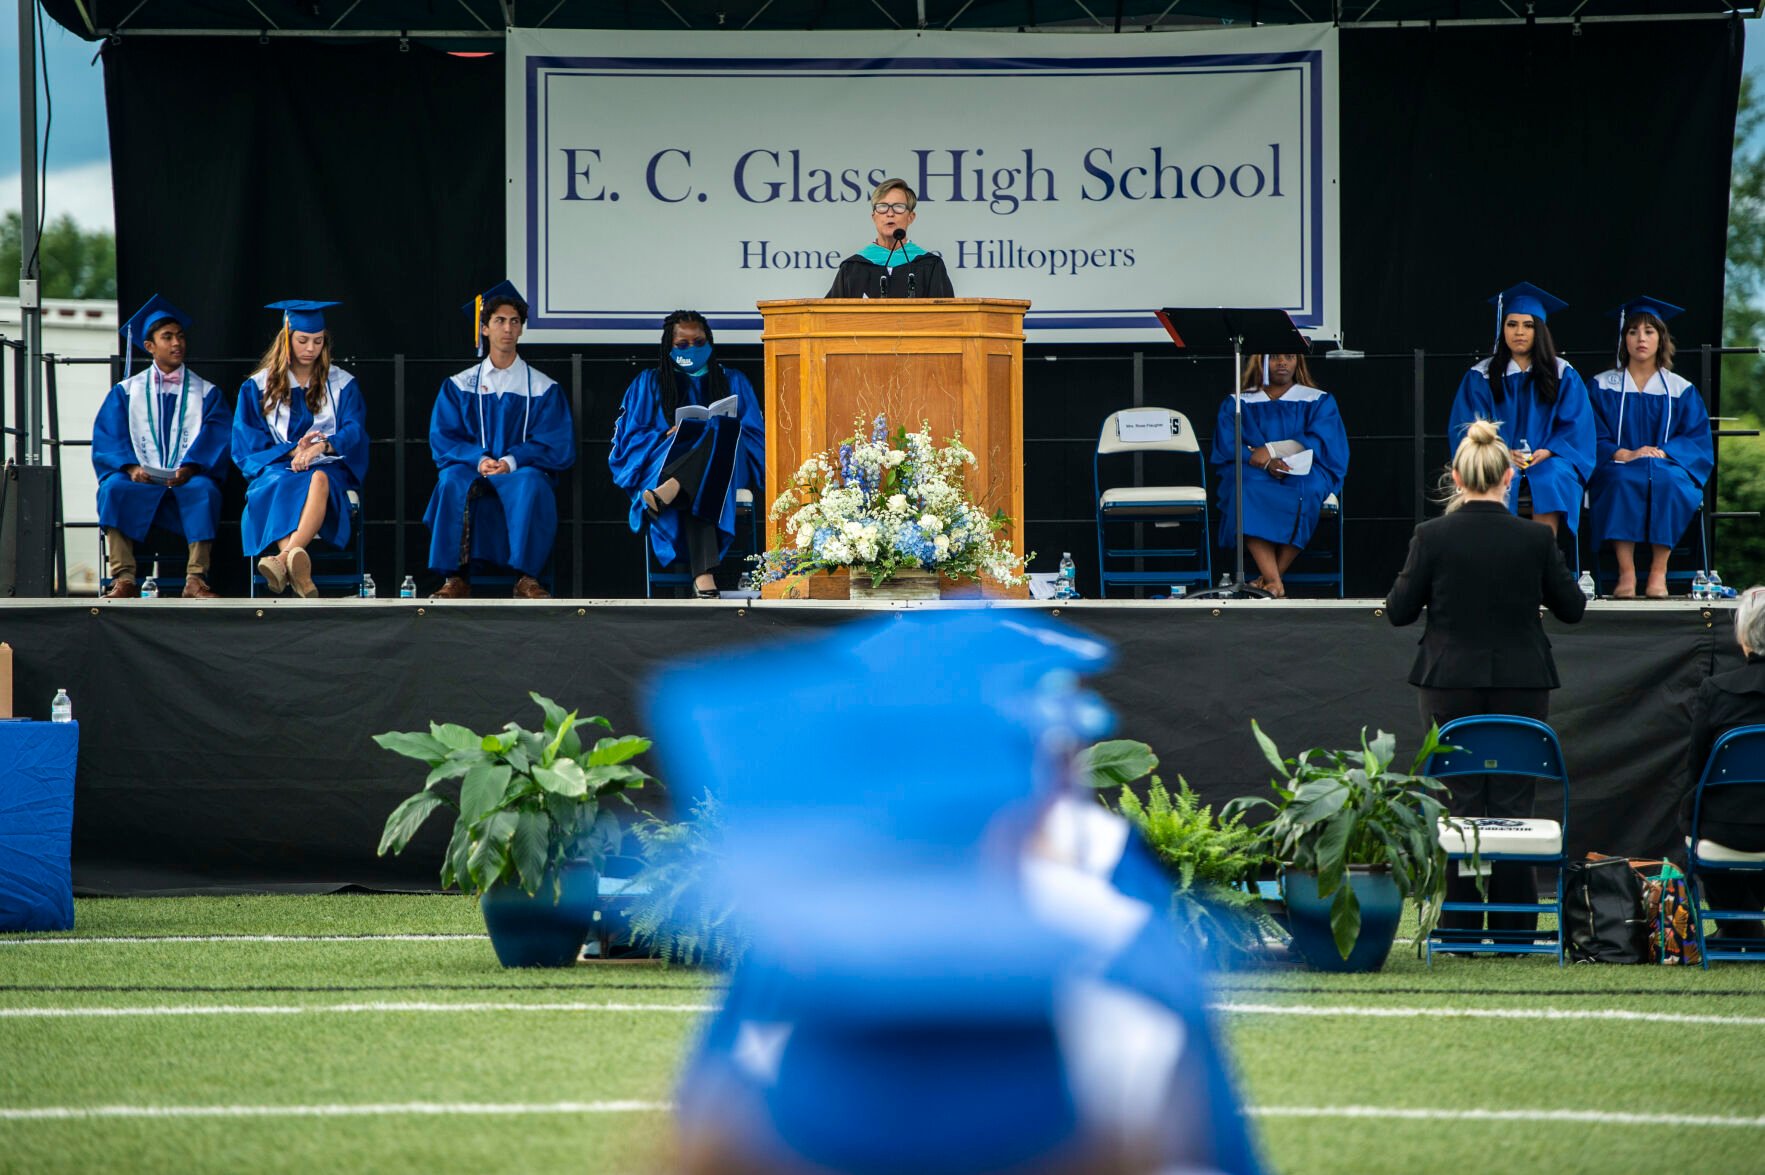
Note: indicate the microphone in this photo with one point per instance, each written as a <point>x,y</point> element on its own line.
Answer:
<point>888,266</point>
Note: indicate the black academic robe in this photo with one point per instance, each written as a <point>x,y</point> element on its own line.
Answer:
<point>922,277</point>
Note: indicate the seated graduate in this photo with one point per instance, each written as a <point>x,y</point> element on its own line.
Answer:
<point>682,471</point>
<point>501,433</point>
<point>159,447</point>
<point>1538,402</point>
<point>1733,817</point>
<point>300,437</point>
<point>1653,447</point>
<point>1295,456</point>
<point>891,266</point>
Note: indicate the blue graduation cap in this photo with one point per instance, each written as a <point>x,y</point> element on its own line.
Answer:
<point>475,308</point>
<point>1645,304</point>
<point>302,315</point>
<point>138,329</point>
<point>1526,298</point>
<point>902,737</point>
<point>923,1031</point>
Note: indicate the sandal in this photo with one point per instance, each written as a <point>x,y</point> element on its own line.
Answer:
<point>708,593</point>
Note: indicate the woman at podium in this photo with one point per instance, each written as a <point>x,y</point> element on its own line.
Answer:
<point>1295,456</point>
<point>891,266</point>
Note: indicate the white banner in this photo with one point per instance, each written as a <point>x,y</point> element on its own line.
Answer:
<point>1101,177</point>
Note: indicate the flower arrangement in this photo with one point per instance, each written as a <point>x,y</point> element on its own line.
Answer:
<point>881,504</point>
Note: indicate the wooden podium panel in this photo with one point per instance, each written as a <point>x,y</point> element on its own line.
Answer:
<point>956,363</point>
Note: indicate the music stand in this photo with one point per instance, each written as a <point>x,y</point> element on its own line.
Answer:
<point>1219,331</point>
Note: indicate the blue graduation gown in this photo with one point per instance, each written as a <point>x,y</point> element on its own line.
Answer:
<point>274,492</point>
<point>1280,510</point>
<point>1648,499</point>
<point>1566,428</point>
<point>641,445</point>
<point>140,423</point>
<point>517,415</point>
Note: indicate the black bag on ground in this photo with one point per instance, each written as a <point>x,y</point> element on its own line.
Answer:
<point>1603,909</point>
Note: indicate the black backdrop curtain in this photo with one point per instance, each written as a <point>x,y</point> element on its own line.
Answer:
<point>1593,161</point>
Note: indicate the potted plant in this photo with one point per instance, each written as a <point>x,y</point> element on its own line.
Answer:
<point>675,913</point>
<point>531,831</point>
<point>894,512</point>
<point>1209,861</point>
<point>1356,839</point>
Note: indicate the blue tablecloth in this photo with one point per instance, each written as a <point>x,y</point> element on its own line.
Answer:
<point>37,824</point>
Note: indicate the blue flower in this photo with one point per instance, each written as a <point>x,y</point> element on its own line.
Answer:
<point>880,429</point>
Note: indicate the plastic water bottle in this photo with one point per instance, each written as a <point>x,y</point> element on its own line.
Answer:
<point>62,708</point>
<point>150,585</point>
<point>408,589</point>
<point>1069,578</point>
<point>1179,590</point>
<point>1700,586</point>
<point>1717,591</point>
<point>368,591</point>
<point>1586,584</point>
<point>1225,580</point>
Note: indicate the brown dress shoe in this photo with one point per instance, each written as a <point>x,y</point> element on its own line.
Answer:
<point>196,588</point>
<point>527,588</point>
<point>454,587</point>
<point>123,589</point>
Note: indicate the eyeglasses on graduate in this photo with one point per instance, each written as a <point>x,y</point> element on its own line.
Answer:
<point>898,208</point>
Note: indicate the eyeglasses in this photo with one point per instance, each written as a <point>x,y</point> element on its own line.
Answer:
<point>898,208</point>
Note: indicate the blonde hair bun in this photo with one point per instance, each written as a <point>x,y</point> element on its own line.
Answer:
<point>1483,432</point>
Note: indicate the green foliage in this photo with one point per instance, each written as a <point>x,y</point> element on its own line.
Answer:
<point>673,913</point>
<point>73,263</point>
<point>526,800</point>
<point>1209,862</point>
<point>1115,762</point>
<point>1333,809</point>
<point>1743,319</point>
<point>1740,485</point>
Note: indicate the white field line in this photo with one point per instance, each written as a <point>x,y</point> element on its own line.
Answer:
<point>382,1109</point>
<point>365,1110</point>
<point>1240,1009</point>
<point>386,1006</point>
<point>1231,1009</point>
<point>76,940</point>
<point>1599,1117</point>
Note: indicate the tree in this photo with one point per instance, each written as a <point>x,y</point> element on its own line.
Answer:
<point>74,263</point>
<point>1739,547</point>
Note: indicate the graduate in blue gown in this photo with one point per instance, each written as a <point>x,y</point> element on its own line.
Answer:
<point>300,437</point>
<point>682,477</point>
<point>1654,448</point>
<point>501,433</point>
<point>941,979</point>
<point>1540,403</point>
<point>1281,504</point>
<point>159,448</point>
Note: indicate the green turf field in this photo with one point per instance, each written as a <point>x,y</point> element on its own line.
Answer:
<point>312,1048</point>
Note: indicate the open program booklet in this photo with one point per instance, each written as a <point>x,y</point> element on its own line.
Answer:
<point>1298,460</point>
<point>728,406</point>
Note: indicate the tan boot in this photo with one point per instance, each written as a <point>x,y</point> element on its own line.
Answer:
<point>300,573</point>
<point>274,569</point>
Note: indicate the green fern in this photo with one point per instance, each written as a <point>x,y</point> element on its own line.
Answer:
<point>1209,861</point>
<point>672,914</point>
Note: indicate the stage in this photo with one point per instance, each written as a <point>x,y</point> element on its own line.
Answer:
<point>225,746</point>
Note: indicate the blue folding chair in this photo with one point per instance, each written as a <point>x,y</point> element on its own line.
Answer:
<point>1697,556</point>
<point>1322,561</point>
<point>1503,744</point>
<point>163,554</point>
<point>1737,759</point>
<point>1176,511</point>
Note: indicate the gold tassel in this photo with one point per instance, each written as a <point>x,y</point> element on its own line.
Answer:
<point>478,324</point>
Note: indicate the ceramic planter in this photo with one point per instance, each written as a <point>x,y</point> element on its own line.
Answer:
<point>1309,918</point>
<point>546,929</point>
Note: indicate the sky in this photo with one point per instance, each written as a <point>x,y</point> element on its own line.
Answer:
<point>79,178</point>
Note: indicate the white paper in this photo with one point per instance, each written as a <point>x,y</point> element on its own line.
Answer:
<point>1300,462</point>
<point>1143,424</point>
<point>728,406</point>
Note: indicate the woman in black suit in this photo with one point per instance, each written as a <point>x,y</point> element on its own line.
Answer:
<point>1482,573</point>
<point>1733,817</point>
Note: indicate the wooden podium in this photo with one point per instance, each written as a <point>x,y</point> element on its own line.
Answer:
<point>956,363</point>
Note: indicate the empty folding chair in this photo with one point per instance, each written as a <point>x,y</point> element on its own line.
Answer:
<point>1737,760</point>
<point>1170,514</point>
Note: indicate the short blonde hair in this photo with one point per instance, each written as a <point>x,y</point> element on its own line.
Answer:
<point>888,186</point>
<point>1749,620</point>
<point>1481,461</point>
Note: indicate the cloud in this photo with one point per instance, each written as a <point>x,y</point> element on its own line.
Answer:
<point>82,192</point>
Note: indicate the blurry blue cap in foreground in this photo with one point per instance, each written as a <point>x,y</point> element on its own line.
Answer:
<point>910,729</point>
